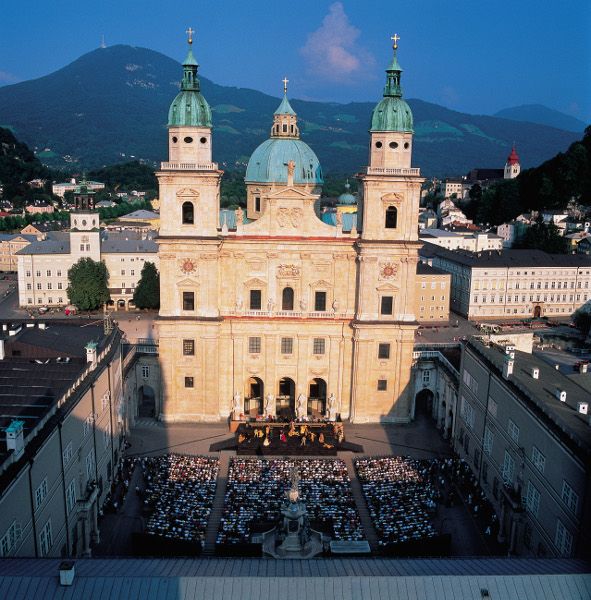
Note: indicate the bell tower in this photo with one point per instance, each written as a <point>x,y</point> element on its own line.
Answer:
<point>385,323</point>
<point>512,166</point>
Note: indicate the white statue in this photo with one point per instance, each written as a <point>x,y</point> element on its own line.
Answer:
<point>335,305</point>
<point>301,408</point>
<point>239,303</point>
<point>237,406</point>
<point>303,304</point>
<point>270,304</point>
<point>270,405</point>
<point>331,413</point>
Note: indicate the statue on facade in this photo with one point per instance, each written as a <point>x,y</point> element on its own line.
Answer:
<point>270,304</point>
<point>239,303</point>
<point>237,406</point>
<point>303,305</point>
<point>335,305</point>
<point>270,405</point>
<point>239,216</point>
<point>301,408</point>
<point>331,412</point>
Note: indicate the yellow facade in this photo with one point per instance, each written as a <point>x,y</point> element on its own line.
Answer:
<point>261,316</point>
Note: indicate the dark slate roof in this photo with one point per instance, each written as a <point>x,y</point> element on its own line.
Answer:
<point>264,579</point>
<point>485,174</point>
<point>47,247</point>
<point>425,269</point>
<point>507,258</point>
<point>540,394</point>
<point>111,246</point>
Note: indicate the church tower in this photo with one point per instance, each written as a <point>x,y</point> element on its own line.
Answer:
<point>385,323</point>
<point>512,166</point>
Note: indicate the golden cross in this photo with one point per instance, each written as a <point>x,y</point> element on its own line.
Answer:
<point>285,82</point>
<point>190,33</point>
<point>395,39</point>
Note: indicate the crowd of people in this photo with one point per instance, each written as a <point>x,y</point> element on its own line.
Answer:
<point>178,494</point>
<point>401,495</point>
<point>256,490</point>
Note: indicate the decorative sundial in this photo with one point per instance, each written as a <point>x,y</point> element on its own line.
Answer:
<point>388,270</point>
<point>188,266</point>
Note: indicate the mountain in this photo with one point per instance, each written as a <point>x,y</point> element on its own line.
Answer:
<point>111,105</point>
<point>538,113</point>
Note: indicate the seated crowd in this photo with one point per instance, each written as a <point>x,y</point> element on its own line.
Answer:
<point>256,490</point>
<point>178,495</point>
<point>401,493</point>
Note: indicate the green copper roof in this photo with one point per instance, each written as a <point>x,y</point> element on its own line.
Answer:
<point>189,108</point>
<point>392,113</point>
<point>347,198</point>
<point>268,163</point>
<point>285,107</point>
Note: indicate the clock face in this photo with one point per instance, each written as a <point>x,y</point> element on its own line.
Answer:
<point>187,266</point>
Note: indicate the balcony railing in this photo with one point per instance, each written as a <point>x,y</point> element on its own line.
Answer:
<point>397,171</point>
<point>182,166</point>
<point>291,314</point>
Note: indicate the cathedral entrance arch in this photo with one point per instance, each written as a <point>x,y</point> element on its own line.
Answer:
<point>285,406</point>
<point>317,398</point>
<point>253,402</point>
<point>146,402</point>
<point>424,403</point>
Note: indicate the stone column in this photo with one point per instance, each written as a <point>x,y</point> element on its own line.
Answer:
<point>96,533</point>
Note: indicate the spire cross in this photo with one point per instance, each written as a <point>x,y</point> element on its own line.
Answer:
<point>395,39</point>
<point>190,33</point>
<point>285,82</point>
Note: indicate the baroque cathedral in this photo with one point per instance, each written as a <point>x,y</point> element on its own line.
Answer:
<point>274,306</point>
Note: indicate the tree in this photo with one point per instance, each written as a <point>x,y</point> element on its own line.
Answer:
<point>544,236</point>
<point>147,292</point>
<point>582,319</point>
<point>88,289</point>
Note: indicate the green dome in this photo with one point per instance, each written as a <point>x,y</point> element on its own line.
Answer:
<point>189,109</point>
<point>347,198</point>
<point>391,114</point>
<point>268,163</point>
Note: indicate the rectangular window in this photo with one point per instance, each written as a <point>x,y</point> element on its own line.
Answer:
<point>470,381</point>
<point>569,496</point>
<point>189,383</point>
<point>508,468</point>
<point>256,301</point>
<point>87,425</point>
<point>45,539</point>
<point>538,459</point>
<point>40,493</point>
<point>254,345</point>
<point>319,346</point>
<point>492,407</point>
<point>59,285</point>
<point>513,431</point>
<point>38,273</point>
<point>71,496</point>
<point>426,376</point>
<point>90,465</point>
<point>319,301</point>
<point>49,286</point>
<point>29,286</point>
<point>257,204</point>
<point>145,371</point>
<point>384,351</point>
<point>386,306</point>
<point>38,286</point>
<point>122,271</point>
<point>467,412</point>
<point>563,539</point>
<point>286,345</point>
<point>68,453</point>
<point>487,444</point>
<point>188,347</point>
<point>48,273</point>
<point>382,385</point>
<point>188,301</point>
<point>81,247</point>
<point>28,273</point>
<point>532,499</point>
<point>59,273</point>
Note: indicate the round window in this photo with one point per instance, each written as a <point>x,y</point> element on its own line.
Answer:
<point>406,145</point>
<point>188,140</point>
<point>83,222</point>
<point>378,144</point>
<point>393,145</point>
<point>203,140</point>
<point>175,139</point>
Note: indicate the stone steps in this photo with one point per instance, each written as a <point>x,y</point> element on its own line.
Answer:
<point>368,528</point>
<point>217,509</point>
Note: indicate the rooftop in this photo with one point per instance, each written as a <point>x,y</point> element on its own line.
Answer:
<point>425,269</point>
<point>540,394</point>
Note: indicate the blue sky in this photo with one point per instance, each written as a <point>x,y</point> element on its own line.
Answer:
<point>476,56</point>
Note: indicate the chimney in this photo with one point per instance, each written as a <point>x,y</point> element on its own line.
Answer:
<point>508,367</point>
<point>583,408</point>
<point>15,439</point>
<point>561,395</point>
<point>91,352</point>
<point>2,350</point>
<point>67,572</point>
<point>583,367</point>
<point>41,325</point>
<point>535,372</point>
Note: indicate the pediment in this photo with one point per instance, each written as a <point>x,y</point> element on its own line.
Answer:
<point>387,287</point>
<point>321,283</point>
<point>289,192</point>
<point>392,197</point>
<point>254,281</point>
<point>187,282</point>
<point>187,193</point>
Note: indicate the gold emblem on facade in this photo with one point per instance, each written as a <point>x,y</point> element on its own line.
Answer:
<point>388,270</point>
<point>188,266</point>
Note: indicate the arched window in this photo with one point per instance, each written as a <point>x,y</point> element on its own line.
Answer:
<point>287,299</point>
<point>391,217</point>
<point>188,213</point>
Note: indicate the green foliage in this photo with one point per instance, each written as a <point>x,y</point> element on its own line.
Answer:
<point>334,184</point>
<point>126,176</point>
<point>233,192</point>
<point>88,289</point>
<point>124,208</point>
<point>582,319</point>
<point>147,292</point>
<point>544,236</point>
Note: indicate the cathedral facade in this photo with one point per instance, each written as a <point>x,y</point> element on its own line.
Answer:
<point>274,308</point>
